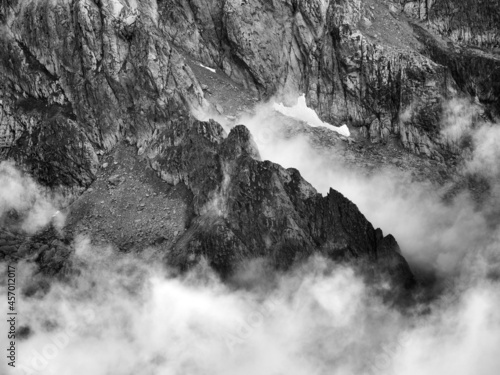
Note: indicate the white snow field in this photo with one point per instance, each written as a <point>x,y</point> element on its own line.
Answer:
<point>302,112</point>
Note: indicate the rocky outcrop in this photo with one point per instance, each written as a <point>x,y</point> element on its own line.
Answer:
<point>245,208</point>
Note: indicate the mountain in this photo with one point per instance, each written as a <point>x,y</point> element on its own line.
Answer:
<point>99,102</point>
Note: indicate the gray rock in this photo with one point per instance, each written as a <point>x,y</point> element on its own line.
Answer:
<point>115,180</point>
<point>219,109</point>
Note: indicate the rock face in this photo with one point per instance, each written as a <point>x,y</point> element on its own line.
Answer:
<point>100,71</point>
<point>246,208</point>
<point>466,22</point>
<point>362,62</point>
<point>469,45</point>
<point>80,77</point>
<point>97,72</point>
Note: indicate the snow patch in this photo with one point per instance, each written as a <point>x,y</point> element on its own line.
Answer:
<point>206,67</point>
<point>302,112</point>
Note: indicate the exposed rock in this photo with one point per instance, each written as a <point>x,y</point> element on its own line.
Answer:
<point>246,208</point>
<point>77,71</point>
<point>115,180</point>
<point>465,22</point>
<point>99,77</point>
<point>353,59</point>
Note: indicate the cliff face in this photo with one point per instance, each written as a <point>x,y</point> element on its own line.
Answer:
<point>469,45</point>
<point>109,70</point>
<point>356,61</point>
<point>80,77</point>
<point>361,62</point>
<point>467,22</point>
<point>102,70</point>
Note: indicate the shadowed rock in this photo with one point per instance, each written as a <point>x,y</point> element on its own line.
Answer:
<point>246,208</point>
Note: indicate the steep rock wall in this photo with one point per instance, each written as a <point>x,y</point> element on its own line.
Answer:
<point>468,43</point>
<point>108,74</point>
<point>112,70</point>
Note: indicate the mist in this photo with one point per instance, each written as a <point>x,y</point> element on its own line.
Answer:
<point>32,206</point>
<point>123,316</point>
<point>119,314</point>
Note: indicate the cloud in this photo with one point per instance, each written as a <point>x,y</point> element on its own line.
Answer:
<point>486,154</point>
<point>34,206</point>
<point>459,116</point>
<point>123,316</point>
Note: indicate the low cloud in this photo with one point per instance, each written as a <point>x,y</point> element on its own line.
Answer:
<point>32,206</point>
<point>122,316</point>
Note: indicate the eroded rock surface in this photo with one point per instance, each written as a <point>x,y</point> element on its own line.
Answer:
<point>107,71</point>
